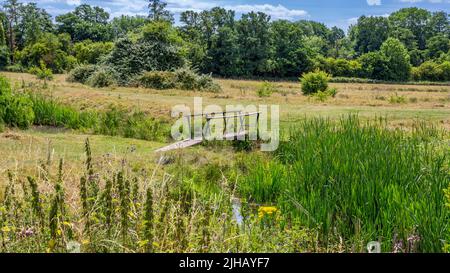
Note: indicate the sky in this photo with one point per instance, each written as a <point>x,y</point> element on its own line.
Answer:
<point>331,12</point>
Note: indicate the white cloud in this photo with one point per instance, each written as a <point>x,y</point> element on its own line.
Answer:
<point>176,6</point>
<point>73,2</point>
<point>374,2</point>
<point>276,12</point>
<point>430,1</point>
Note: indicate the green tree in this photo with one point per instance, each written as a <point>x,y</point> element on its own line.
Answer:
<point>224,52</point>
<point>158,12</point>
<point>290,55</point>
<point>124,24</point>
<point>369,33</point>
<point>374,65</point>
<point>414,19</point>
<point>11,8</point>
<point>31,24</point>
<point>158,47</point>
<point>86,22</point>
<point>254,43</point>
<point>439,24</point>
<point>437,45</point>
<point>397,58</point>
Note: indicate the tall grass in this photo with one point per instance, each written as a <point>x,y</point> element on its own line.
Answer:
<point>114,209</point>
<point>359,182</point>
<point>114,121</point>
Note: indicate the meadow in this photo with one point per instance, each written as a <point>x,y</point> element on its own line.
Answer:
<point>370,164</point>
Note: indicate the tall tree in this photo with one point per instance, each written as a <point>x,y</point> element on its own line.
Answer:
<point>254,42</point>
<point>369,33</point>
<point>86,22</point>
<point>158,12</point>
<point>31,24</point>
<point>397,60</point>
<point>124,24</point>
<point>290,55</point>
<point>12,10</point>
<point>414,19</point>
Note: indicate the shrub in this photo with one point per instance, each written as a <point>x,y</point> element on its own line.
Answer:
<point>157,80</point>
<point>186,78</point>
<point>206,83</point>
<point>428,71</point>
<point>266,90</point>
<point>81,73</point>
<point>445,69</point>
<point>314,82</point>
<point>102,78</point>
<point>396,99</point>
<point>91,52</point>
<point>15,68</point>
<point>324,95</point>
<point>42,72</point>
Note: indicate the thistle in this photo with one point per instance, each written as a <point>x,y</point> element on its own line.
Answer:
<point>148,221</point>
<point>123,187</point>
<point>35,199</point>
<point>108,204</point>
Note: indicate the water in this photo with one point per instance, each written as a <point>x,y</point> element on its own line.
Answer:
<point>236,204</point>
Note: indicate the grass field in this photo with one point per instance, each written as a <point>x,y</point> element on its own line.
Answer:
<point>334,187</point>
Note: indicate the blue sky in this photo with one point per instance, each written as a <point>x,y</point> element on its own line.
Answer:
<point>330,12</point>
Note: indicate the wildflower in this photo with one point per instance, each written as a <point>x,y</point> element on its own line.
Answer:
<point>26,232</point>
<point>6,229</point>
<point>262,211</point>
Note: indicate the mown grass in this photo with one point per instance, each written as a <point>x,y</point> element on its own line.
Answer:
<point>359,182</point>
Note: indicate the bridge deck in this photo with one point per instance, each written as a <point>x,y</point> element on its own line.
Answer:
<point>192,142</point>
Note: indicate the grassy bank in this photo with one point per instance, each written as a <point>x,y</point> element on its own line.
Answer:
<point>359,182</point>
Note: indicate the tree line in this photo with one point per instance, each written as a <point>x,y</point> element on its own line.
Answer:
<point>409,44</point>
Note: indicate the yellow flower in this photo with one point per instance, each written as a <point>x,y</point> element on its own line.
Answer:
<point>143,243</point>
<point>262,211</point>
<point>6,229</point>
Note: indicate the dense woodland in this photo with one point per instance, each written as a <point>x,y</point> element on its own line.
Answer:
<point>411,44</point>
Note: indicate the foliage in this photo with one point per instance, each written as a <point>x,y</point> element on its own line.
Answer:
<point>183,78</point>
<point>157,80</point>
<point>42,72</point>
<point>395,189</point>
<point>215,42</point>
<point>4,57</point>
<point>85,22</point>
<point>48,49</point>
<point>397,58</point>
<point>15,109</point>
<point>432,71</point>
<point>369,33</point>
<point>123,215</point>
<point>88,52</point>
<point>158,48</point>
<point>102,77</point>
<point>81,73</point>
<point>314,82</point>
<point>158,12</point>
<point>266,90</point>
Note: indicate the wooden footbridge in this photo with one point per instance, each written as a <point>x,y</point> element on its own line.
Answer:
<point>241,129</point>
